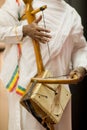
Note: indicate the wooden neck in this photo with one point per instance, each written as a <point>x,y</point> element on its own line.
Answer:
<point>30,18</point>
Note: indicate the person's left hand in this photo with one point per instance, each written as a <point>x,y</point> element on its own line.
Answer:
<point>80,72</point>
<point>37,33</point>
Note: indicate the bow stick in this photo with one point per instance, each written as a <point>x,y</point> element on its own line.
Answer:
<point>56,80</point>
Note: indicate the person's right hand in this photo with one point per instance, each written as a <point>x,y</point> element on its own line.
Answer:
<point>35,32</point>
<point>79,72</point>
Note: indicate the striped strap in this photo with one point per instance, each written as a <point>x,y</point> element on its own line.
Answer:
<point>13,81</point>
<point>15,76</point>
<point>20,90</point>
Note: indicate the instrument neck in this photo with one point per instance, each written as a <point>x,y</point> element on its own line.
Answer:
<point>30,18</point>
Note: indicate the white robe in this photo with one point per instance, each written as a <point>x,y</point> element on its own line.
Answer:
<point>68,48</point>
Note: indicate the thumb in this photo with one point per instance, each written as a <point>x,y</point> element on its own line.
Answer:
<point>38,19</point>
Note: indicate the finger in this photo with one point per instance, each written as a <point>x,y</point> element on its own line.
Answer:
<point>43,29</point>
<point>76,74</point>
<point>72,73</point>
<point>38,19</point>
<point>42,39</point>
<point>43,35</point>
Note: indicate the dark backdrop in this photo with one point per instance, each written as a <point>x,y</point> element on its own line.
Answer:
<point>79,95</point>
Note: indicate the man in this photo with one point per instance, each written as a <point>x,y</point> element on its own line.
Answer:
<point>68,51</point>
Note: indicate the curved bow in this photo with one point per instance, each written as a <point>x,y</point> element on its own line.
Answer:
<point>56,80</point>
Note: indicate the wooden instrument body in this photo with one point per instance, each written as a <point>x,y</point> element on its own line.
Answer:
<point>46,106</point>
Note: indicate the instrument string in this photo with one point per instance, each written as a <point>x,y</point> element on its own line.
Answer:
<point>45,28</point>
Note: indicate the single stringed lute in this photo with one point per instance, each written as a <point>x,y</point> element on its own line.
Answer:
<point>45,98</point>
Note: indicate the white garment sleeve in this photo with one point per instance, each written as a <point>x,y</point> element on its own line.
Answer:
<point>12,34</point>
<point>79,55</point>
<point>10,26</point>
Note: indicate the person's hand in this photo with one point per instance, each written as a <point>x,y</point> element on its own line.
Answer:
<point>35,32</point>
<point>79,72</point>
